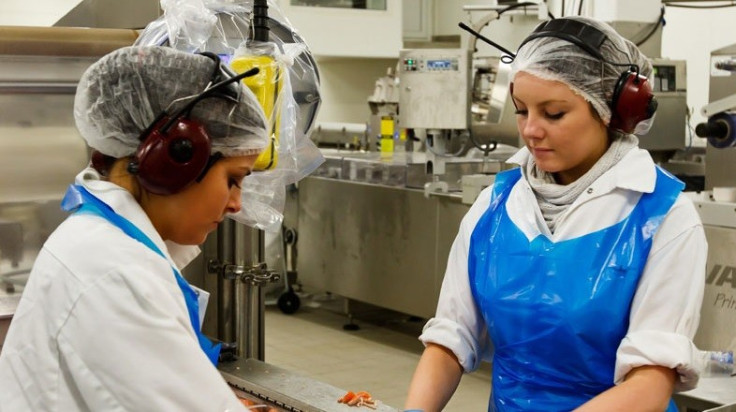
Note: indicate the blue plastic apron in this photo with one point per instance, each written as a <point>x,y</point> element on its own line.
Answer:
<point>557,312</point>
<point>79,200</point>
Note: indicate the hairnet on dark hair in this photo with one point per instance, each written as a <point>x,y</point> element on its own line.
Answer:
<point>122,93</point>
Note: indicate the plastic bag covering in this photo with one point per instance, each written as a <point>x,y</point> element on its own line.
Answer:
<point>555,59</point>
<point>264,192</point>
<point>121,94</point>
<point>267,85</point>
<point>556,316</point>
<point>224,28</point>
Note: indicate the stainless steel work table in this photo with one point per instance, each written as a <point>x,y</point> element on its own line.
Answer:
<point>287,390</point>
<point>711,392</point>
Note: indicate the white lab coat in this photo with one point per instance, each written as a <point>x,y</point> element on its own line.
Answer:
<point>666,308</point>
<point>103,326</point>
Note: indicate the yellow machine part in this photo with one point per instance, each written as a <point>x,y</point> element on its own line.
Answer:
<point>266,85</point>
<point>387,126</point>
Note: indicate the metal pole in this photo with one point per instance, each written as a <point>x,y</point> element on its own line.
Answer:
<point>249,251</point>
<point>226,305</point>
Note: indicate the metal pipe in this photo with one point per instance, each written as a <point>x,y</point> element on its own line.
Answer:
<point>37,87</point>
<point>521,10</point>
<point>260,20</point>
<point>226,305</point>
<point>251,343</point>
<point>249,251</point>
<point>63,41</point>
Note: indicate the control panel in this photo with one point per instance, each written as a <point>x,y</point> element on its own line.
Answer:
<point>431,64</point>
<point>434,89</point>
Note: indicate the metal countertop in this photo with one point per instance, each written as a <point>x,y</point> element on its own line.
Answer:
<point>711,392</point>
<point>291,391</point>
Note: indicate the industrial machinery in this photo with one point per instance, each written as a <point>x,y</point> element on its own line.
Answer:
<point>382,127</point>
<point>386,237</point>
<point>40,148</point>
<point>717,208</point>
<point>434,98</point>
<point>398,215</point>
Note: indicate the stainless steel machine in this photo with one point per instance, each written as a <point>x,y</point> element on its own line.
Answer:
<point>374,235</point>
<point>40,149</point>
<point>717,208</point>
<point>434,99</point>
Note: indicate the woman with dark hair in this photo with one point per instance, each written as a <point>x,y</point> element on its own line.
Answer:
<point>106,321</point>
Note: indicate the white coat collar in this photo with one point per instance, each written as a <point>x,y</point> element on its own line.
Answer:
<point>123,203</point>
<point>635,171</point>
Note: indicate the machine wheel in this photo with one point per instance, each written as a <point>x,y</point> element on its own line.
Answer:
<point>289,302</point>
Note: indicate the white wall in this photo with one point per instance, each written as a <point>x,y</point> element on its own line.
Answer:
<point>35,13</point>
<point>343,32</point>
<point>346,85</point>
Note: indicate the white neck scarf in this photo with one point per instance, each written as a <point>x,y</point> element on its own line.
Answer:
<point>553,198</point>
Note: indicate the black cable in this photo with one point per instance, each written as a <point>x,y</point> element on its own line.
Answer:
<point>515,6</point>
<point>659,22</point>
<point>509,55</point>
<point>716,6</point>
<point>485,39</point>
<point>580,8</point>
<point>525,4</point>
<point>485,148</point>
<point>260,20</point>
<point>213,91</point>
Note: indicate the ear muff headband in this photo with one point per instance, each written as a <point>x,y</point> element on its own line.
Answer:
<point>585,36</point>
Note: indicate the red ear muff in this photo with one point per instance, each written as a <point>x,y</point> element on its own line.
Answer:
<point>632,102</point>
<point>175,149</point>
<point>167,161</point>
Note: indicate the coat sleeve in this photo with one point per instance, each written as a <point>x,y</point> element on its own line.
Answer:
<point>665,312</point>
<point>458,324</point>
<point>127,345</point>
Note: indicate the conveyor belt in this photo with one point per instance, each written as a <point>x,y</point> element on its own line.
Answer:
<point>286,390</point>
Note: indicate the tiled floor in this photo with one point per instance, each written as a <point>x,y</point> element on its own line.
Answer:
<point>379,358</point>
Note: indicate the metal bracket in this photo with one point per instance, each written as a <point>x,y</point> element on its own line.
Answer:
<point>431,188</point>
<point>258,274</point>
<point>721,105</point>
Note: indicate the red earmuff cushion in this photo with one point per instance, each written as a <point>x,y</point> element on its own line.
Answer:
<point>633,102</point>
<point>170,161</point>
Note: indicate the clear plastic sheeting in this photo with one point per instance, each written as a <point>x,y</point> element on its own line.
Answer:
<point>225,28</point>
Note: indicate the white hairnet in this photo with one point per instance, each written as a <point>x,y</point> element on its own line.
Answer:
<point>122,93</point>
<point>552,58</point>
